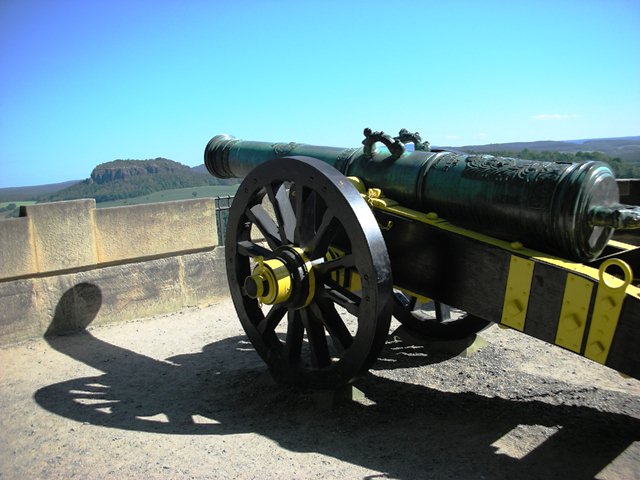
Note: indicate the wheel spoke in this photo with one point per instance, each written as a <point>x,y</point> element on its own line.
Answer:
<point>282,208</point>
<point>340,295</point>
<point>278,212</point>
<point>347,261</point>
<point>295,333</point>
<point>326,311</point>
<point>305,217</point>
<point>261,219</point>
<point>407,301</point>
<point>324,235</point>
<point>412,303</point>
<point>269,323</point>
<point>317,338</point>
<point>286,209</point>
<point>443,312</point>
<point>250,249</point>
<point>297,194</point>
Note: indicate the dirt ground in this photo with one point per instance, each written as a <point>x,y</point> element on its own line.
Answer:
<point>185,396</point>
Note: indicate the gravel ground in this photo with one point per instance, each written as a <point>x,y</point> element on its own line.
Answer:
<point>185,396</point>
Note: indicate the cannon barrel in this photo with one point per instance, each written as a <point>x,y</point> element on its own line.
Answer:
<point>566,209</point>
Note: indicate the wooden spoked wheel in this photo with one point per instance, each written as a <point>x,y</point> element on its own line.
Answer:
<point>308,272</point>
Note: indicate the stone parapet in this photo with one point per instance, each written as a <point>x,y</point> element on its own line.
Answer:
<point>33,307</point>
<point>65,264</point>
<point>125,233</point>
<point>72,235</point>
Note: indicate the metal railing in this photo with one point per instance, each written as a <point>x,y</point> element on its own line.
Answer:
<point>222,205</point>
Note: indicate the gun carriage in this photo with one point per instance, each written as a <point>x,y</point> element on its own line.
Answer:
<point>324,244</point>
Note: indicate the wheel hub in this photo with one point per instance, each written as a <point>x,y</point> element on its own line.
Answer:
<point>287,278</point>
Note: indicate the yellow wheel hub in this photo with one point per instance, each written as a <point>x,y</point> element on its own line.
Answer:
<point>272,282</point>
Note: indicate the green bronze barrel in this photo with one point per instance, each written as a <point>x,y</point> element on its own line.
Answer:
<point>566,209</point>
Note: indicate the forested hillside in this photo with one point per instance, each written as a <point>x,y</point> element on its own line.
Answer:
<point>132,178</point>
<point>627,149</point>
<point>13,194</point>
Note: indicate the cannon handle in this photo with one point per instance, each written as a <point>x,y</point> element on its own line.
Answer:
<point>395,146</point>
<point>407,137</point>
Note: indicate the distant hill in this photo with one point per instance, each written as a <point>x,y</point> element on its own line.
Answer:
<point>626,149</point>
<point>133,178</point>
<point>201,169</point>
<point>16,194</point>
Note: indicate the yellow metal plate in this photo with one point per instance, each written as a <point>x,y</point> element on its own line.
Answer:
<point>606,311</point>
<point>516,295</point>
<point>574,313</point>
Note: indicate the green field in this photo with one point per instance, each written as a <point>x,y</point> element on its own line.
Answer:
<point>17,204</point>
<point>176,194</point>
<point>13,212</point>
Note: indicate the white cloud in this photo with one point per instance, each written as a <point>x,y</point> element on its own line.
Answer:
<point>451,137</point>
<point>554,116</point>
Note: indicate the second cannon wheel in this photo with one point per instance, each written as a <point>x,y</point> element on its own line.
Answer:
<point>435,319</point>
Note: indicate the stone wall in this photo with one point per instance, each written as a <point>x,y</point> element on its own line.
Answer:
<point>64,265</point>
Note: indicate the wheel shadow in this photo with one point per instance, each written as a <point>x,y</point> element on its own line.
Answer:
<point>404,430</point>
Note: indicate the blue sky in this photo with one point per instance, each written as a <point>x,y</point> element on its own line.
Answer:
<point>86,82</point>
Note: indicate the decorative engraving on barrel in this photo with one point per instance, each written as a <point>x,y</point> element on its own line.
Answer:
<point>510,169</point>
<point>282,149</point>
<point>447,161</point>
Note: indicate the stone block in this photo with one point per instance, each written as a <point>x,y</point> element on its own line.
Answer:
<point>20,311</point>
<point>136,290</point>
<point>63,234</point>
<point>204,277</point>
<point>140,231</point>
<point>17,255</point>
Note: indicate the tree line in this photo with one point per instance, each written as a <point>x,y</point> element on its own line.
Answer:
<point>134,186</point>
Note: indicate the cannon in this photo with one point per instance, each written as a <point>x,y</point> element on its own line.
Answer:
<point>324,244</point>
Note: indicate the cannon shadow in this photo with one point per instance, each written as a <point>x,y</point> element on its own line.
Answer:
<point>405,430</point>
